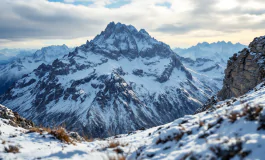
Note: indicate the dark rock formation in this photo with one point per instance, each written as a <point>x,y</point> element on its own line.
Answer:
<point>14,118</point>
<point>244,70</point>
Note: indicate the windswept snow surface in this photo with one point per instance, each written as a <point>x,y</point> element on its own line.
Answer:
<point>213,134</point>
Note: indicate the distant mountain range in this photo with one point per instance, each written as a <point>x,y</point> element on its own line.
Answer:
<point>8,55</point>
<point>25,62</point>
<point>217,51</point>
<point>207,61</point>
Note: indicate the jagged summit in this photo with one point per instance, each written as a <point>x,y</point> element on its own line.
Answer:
<point>120,40</point>
<point>50,53</point>
<point>119,27</point>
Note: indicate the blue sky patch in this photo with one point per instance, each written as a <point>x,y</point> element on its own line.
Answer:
<point>118,3</point>
<point>165,4</point>
<point>85,3</point>
<point>114,4</point>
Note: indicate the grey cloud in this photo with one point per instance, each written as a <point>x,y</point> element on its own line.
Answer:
<point>242,11</point>
<point>38,19</point>
<point>177,28</point>
<point>41,20</point>
<point>208,25</point>
<point>205,16</point>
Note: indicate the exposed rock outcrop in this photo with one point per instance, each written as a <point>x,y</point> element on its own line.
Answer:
<point>14,118</point>
<point>244,70</point>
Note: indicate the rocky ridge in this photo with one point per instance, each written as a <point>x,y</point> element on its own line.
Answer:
<point>14,118</point>
<point>245,70</point>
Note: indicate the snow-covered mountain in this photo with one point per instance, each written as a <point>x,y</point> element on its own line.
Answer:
<point>8,55</point>
<point>120,81</point>
<point>218,51</point>
<point>4,59</point>
<point>232,129</point>
<point>207,61</point>
<point>229,129</point>
<point>14,70</point>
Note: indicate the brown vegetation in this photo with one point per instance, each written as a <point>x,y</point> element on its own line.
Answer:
<point>176,137</point>
<point>233,116</point>
<point>114,144</point>
<point>12,149</point>
<point>59,133</point>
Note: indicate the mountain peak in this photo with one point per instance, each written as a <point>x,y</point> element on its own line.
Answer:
<point>125,40</point>
<point>118,27</point>
<point>143,31</point>
<point>111,27</point>
<point>49,53</point>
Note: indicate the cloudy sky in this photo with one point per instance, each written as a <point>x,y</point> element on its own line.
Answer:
<point>179,23</point>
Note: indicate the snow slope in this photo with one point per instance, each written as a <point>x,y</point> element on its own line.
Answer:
<point>120,81</point>
<point>14,70</point>
<point>231,129</point>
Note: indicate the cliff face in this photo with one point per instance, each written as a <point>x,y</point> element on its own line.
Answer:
<point>244,70</point>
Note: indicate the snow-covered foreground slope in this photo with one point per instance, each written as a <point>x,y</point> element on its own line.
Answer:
<point>14,70</point>
<point>44,146</point>
<point>120,81</point>
<point>19,143</point>
<point>207,61</point>
<point>231,129</point>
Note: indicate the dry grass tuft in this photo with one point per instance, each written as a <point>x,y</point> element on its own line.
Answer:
<point>118,157</point>
<point>61,134</point>
<point>252,113</point>
<point>201,123</point>
<point>175,137</point>
<point>88,139</point>
<point>233,117</point>
<point>178,136</point>
<point>39,130</point>
<point>11,149</point>
<point>113,144</point>
<point>118,150</point>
